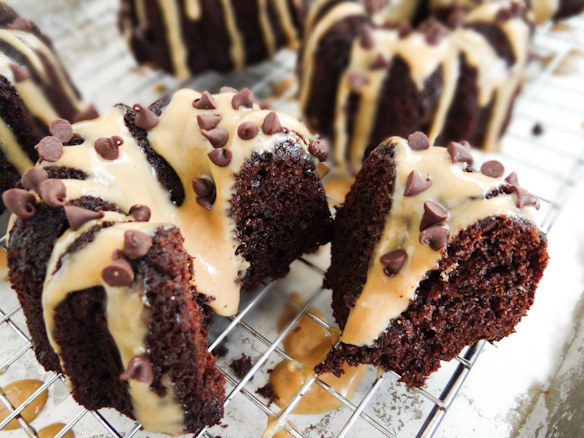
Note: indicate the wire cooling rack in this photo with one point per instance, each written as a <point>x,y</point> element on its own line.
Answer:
<point>544,145</point>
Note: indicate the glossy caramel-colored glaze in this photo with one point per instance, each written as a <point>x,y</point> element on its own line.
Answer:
<point>52,430</point>
<point>3,265</point>
<point>17,392</point>
<point>337,187</point>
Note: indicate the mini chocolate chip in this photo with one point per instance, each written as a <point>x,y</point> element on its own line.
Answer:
<point>320,149</point>
<point>357,81</point>
<point>205,102</point>
<point>220,157</point>
<point>493,169</point>
<point>217,137</point>
<point>140,213</point>
<point>207,201</point>
<point>145,118</point>
<point>433,31</point>
<point>203,187</point>
<point>89,113</point>
<point>436,236</point>
<point>32,177</point>
<point>118,273</point>
<point>208,121</point>
<point>379,63</point>
<point>393,261</point>
<point>271,124</point>
<point>503,15</point>
<point>265,104</point>
<point>53,192</point>
<point>418,141</point>
<point>242,98</point>
<point>77,216</point>
<point>20,73</point>
<point>415,184</point>
<point>537,129</point>
<point>404,30</point>
<point>136,244</point>
<point>366,39</point>
<point>226,89</point>
<point>109,147</point>
<point>139,369</point>
<point>21,23</point>
<point>433,213</point>
<point>20,202</point>
<point>460,153</point>
<point>247,130</point>
<point>512,179</point>
<point>61,129</point>
<point>50,149</point>
<point>524,198</point>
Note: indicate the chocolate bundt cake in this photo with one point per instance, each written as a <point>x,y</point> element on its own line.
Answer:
<point>111,294</point>
<point>34,90</point>
<point>193,36</point>
<point>429,256</point>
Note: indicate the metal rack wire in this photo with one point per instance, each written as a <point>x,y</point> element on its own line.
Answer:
<point>381,406</point>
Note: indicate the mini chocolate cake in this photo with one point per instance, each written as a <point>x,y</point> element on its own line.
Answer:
<point>429,256</point>
<point>185,38</point>
<point>112,295</point>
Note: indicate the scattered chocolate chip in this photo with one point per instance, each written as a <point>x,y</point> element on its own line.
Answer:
<point>109,147</point>
<point>460,153</point>
<point>88,113</point>
<point>433,31</point>
<point>524,198</point>
<point>503,15</point>
<point>271,124</point>
<point>77,216</point>
<point>433,213</point>
<point>205,102</point>
<point>415,184</point>
<point>265,104</point>
<point>357,81</point>
<point>537,129</point>
<point>247,130</point>
<point>145,118</point>
<point>319,148</point>
<point>220,157</point>
<point>20,202</point>
<point>61,129</point>
<point>379,63</point>
<point>217,137</point>
<point>208,121</point>
<point>418,141</point>
<point>53,192</point>
<point>50,149</point>
<point>512,179</point>
<point>139,369</point>
<point>20,73</point>
<point>227,89</point>
<point>140,213</point>
<point>366,39</point>
<point>436,236</point>
<point>136,244</point>
<point>119,272</point>
<point>21,23</point>
<point>404,30</point>
<point>393,261</point>
<point>32,177</point>
<point>205,191</point>
<point>242,98</point>
<point>493,169</point>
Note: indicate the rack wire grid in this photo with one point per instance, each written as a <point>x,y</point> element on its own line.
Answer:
<point>549,163</point>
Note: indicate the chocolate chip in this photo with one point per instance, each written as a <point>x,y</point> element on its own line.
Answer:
<point>436,236</point>
<point>433,213</point>
<point>20,202</point>
<point>145,118</point>
<point>50,149</point>
<point>460,153</point>
<point>208,121</point>
<point>220,157</point>
<point>357,81</point>
<point>503,15</point>
<point>404,30</point>
<point>20,73</point>
<point>205,191</point>
<point>207,202</point>
<point>319,148</point>
<point>21,23</point>
<point>217,137</point>
<point>415,184</point>
<point>393,261</point>
<point>265,104</point>
<point>493,169</point>
<point>53,192</point>
<point>226,89</point>
<point>140,213</point>
<point>136,244</point>
<point>205,102</point>
<point>271,124</point>
<point>109,147</point>
<point>433,31</point>
<point>118,273</point>
<point>89,113</point>
<point>537,129</point>
<point>247,130</point>
<point>139,369</point>
<point>61,129</point>
<point>524,198</point>
<point>242,98</point>
<point>379,63</point>
<point>33,177</point>
<point>512,179</point>
<point>77,216</point>
<point>418,141</point>
<point>366,39</point>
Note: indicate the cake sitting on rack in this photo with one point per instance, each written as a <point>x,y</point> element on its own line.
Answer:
<point>429,256</point>
<point>111,294</point>
<point>34,90</point>
<point>193,36</point>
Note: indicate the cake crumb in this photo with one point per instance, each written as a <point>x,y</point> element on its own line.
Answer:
<point>241,366</point>
<point>267,391</point>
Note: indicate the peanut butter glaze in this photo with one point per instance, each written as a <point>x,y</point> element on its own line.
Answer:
<point>17,392</point>
<point>52,430</point>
